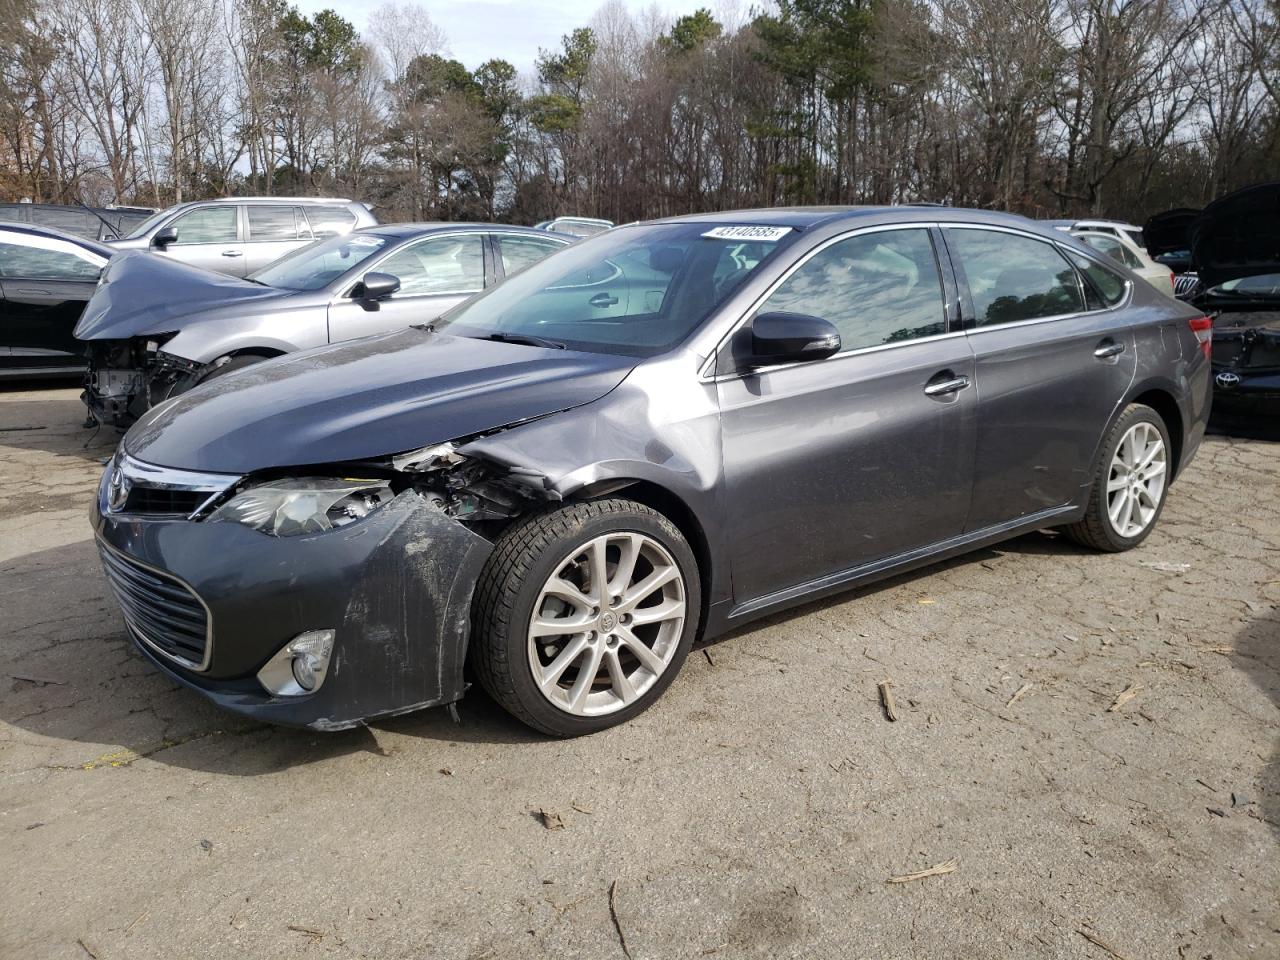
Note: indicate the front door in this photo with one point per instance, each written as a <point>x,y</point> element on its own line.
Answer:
<point>44,284</point>
<point>1053,363</point>
<point>866,455</point>
<point>436,274</point>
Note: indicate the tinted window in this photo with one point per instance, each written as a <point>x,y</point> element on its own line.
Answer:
<point>207,225</point>
<point>319,264</point>
<point>1012,277</point>
<point>34,263</point>
<point>327,219</point>
<point>11,211</point>
<point>1105,285</point>
<point>271,222</point>
<point>876,288</point>
<point>519,252</point>
<point>72,220</point>
<point>439,265</point>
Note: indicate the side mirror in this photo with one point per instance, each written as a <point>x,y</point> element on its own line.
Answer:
<point>164,236</point>
<point>789,338</point>
<point>376,286</point>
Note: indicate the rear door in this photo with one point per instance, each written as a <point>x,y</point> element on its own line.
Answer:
<point>436,273</point>
<point>271,231</point>
<point>1053,363</point>
<point>517,251</point>
<point>864,456</point>
<point>209,236</point>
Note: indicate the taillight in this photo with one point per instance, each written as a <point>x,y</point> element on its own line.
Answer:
<point>1202,327</point>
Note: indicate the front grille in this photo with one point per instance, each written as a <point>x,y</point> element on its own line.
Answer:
<point>161,611</point>
<point>1184,285</point>
<point>160,501</point>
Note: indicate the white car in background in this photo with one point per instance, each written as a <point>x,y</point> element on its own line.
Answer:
<point>1123,242</point>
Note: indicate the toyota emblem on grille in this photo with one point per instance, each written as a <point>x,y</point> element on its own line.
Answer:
<point>118,490</point>
<point>1227,380</point>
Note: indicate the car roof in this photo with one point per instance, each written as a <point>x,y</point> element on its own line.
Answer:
<point>33,230</point>
<point>419,229</point>
<point>808,217</point>
<point>301,200</point>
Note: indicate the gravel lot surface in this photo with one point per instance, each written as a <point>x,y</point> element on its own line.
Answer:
<point>757,810</point>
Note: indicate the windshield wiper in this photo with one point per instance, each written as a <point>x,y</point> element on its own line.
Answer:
<point>527,339</point>
<point>258,282</point>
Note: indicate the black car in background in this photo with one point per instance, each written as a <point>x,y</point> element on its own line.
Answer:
<point>46,278</point>
<point>1168,239</point>
<point>1235,245</point>
<point>89,223</point>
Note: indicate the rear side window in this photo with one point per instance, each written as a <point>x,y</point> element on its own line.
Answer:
<point>519,252</point>
<point>1106,286</point>
<point>11,211</point>
<point>1114,249</point>
<point>271,222</point>
<point>208,225</point>
<point>875,288</point>
<point>1012,277</point>
<point>72,220</point>
<point>328,219</point>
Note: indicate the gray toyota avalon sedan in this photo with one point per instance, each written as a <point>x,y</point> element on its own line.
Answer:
<point>655,435</point>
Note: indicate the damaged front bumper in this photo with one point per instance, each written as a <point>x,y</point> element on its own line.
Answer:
<point>126,378</point>
<point>395,588</point>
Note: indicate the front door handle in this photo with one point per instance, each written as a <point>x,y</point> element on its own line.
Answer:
<point>233,253</point>
<point>942,388</point>
<point>1108,348</point>
<point>602,300</point>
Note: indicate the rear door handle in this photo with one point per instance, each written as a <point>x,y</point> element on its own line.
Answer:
<point>941,388</point>
<point>233,253</point>
<point>602,300</point>
<point>1108,348</point>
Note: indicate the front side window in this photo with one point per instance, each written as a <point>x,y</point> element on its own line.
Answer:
<point>449,264</point>
<point>319,264</point>
<point>207,225</point>
<point>635,290</point>
<point>875,288</point>
<point>520,252</point>
<point>1012,277</point>
<point>22,262</point>
<point>271,222</point>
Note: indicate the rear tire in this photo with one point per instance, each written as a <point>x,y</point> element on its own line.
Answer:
<point>569,651</point>
<point>1130,483</point>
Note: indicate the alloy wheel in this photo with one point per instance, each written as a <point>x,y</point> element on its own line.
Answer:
<point>607,624</point>
<point>1136,480</point>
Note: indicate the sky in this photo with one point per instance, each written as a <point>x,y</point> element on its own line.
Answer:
<point>479,30</point>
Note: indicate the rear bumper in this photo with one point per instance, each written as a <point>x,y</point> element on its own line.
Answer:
<point>396,589</point>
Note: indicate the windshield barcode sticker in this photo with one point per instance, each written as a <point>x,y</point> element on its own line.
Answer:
<point>766,234</point>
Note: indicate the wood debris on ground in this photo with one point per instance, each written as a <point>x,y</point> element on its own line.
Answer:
<point>1124,696</point>
<point>1022,691</point>
<point>613,915</point>
<point>937,870</point>
<point>886,700</point>
<point>550,819</point>
<point>1097,941</point>
<point>307,931</point>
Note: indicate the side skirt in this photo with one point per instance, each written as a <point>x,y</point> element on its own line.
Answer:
<point>889,566</point>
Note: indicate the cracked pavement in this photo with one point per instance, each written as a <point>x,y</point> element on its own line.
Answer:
<point>756,810</point>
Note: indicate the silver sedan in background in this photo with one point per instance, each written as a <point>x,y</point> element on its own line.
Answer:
<point>156,328</point>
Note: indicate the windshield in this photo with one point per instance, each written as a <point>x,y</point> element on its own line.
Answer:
<point>142,229</point>
<point>319,264</point>
<point>635,290</point>
<point>1264,285</point>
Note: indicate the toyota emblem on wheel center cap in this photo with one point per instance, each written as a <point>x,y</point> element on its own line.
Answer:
<point>1226,379</point>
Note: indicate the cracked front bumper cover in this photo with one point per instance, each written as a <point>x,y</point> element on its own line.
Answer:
<point>396,587</point>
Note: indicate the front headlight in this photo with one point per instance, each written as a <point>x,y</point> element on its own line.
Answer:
<point>288,508</point>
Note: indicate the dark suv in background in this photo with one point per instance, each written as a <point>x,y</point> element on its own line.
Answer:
<point>90,223</point>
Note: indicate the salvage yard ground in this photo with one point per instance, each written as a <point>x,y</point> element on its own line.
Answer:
<point>1084,764</point>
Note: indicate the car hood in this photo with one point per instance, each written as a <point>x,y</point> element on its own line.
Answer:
<point>1238,235</point>
<point>143,293</point>
<point>367,399</point>
<point>1167,232</point>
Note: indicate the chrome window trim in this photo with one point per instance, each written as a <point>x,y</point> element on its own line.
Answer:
<point>151,645</point>
<point>706,372</point>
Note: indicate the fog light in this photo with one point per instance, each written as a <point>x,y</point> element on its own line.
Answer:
<point>300,666</point>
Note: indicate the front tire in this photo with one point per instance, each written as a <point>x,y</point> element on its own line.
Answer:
<point>584,614</point>
<point>1129,485</point>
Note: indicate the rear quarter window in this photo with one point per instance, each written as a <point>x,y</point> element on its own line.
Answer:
<point>1100,283</point>
<point>329,219</point>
